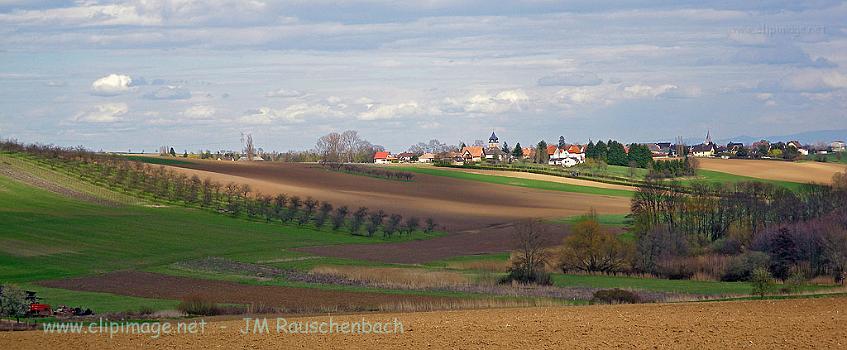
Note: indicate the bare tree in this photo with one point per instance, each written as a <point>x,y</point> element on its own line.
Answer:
<point>349,141</point>
<point>329,146</point>
<point>249,148</point>
<point>530,258</point>
<point>340,216</point>
<point>358,219</point>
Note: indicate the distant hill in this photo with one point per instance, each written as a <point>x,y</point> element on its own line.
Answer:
<point>808,137</point>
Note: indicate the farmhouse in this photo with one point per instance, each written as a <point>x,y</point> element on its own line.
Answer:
<point>426,158</point>
<point>567,156</point>
<point>405,157</point>
<point>528,153</point>
<point>704,150</point>
<point>473,153</point>
<point>838,146</point>
<point>798,146</point>
<point>382,157</point>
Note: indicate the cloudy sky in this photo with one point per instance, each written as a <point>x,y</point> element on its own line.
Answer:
<point>137,74</point>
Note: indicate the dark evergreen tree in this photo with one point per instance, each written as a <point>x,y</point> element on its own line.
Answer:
<point>541,156</point>
<point>590,150</point>
<point>601,151</point>
<point>783,254</point>
<point>616,154</point>
<point>518,151</point>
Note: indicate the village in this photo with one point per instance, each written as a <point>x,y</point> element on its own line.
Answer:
<point>568,155</point>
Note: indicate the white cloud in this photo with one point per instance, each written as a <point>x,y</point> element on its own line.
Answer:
<point>608,94</point>
<point>503,101</point>
<point>284,93</point>
<point>391,111</point>
<point>570,79</point>
<point>639,90</point>
<point>291,114</point>
<point>199,112</point>
<point>104,113</point>
<point>111,85</point>
<point>814,81</point>
<point>169,93</point>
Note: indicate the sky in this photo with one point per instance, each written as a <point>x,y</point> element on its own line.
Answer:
<point>138,74</point>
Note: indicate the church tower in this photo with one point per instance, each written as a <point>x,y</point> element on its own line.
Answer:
<point>493,141</point>
<point>708,138</point>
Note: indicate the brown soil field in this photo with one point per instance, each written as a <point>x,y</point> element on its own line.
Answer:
<point>492,239</point>
<point>153,285</point>
<point>458,205</point>
<point>782,324</point>
<point>801,172</point>
<point>480,215</point>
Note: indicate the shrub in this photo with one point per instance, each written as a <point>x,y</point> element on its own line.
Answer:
<point>761,281</point>
<point>197,306</point>
<point>741,267</point>
<point>145,310</point>
<point>727,246</point>
<point>615,296</point>
<point>429,225</point>
<point>675,269</point>
<point>527,277</point>
<point>796,280</point>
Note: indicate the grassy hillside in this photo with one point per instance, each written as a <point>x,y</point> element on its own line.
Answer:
<point>511,181</point>
<point>720,177</point>
<point>47,236</point>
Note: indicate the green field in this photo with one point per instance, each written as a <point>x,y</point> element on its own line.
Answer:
<point>720,177</point>
<point>99,302</point>
<point>618,220</point>
<point>511,181</point>
<point>46,236</point>
<point>830,158</point>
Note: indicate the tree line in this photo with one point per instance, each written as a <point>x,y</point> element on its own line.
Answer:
<point>759,224</point>
<point>615,153</point>
<point>162,184</point>
<point>370,171</point>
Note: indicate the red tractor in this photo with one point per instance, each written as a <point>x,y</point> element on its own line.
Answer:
<point>37,309</point>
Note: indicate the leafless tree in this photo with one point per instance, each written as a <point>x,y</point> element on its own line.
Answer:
<point>329,146</point>
<point>349,141</point>
<point>249,148</point>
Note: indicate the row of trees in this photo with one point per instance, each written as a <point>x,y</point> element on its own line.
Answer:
<point>670,168</point>
<point>371,171</point>
<point>756,224</point>
<point>163,184</point>
<point>615,153</point>
<point>345,147</point>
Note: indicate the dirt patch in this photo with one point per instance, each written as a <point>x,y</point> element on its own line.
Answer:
<point>801,172</point>
<point>783,324</point>
<point>158,286</point>
<point>457,204</point>
<point>493,239</point>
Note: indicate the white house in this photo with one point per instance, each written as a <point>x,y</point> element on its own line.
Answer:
<point>382,157</point>
<point>567,157</point>
<point>426,158</point>
<point>838,146</point>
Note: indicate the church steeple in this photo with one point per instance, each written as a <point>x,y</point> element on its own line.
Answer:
<point>708,137</point>
<point>493,141</point>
